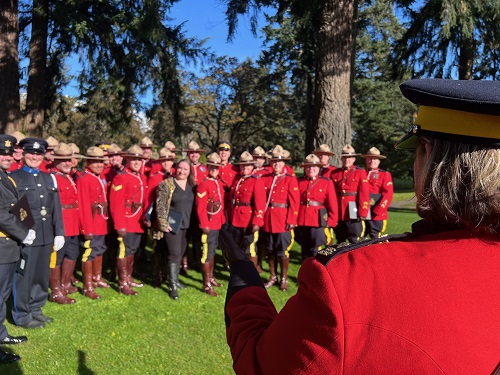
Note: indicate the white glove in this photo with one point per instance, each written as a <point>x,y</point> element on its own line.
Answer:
<point>58,242</point>
<point>30,237</point>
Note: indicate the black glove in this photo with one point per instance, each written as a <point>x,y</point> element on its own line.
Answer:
<point>231,250</point>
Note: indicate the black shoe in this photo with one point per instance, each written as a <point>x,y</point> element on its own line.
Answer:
<point>43,318</point>
<point>8,357</point>
<point>13,340</point>
<point>32,324</point>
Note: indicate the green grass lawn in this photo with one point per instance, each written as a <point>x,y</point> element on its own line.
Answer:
<point>148,333</point>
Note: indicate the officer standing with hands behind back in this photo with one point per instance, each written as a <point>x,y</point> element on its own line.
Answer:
<point>31,282</point>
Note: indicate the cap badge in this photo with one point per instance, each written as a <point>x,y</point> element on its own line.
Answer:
<point>36,145</point>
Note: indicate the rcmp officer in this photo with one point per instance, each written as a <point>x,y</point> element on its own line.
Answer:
<point>47,164</point>
<point>381,192</point>
<point>198,170</point>
<point>280,218</point>
<point>353,194</point>
<point>63,262</point>
<point>75,160</point>
<point>248,202</point>
<point>323,152</point>
<point>209,203</point>
<point>127,197</point>
<point>12,234</point>
<point>31,282</point>
<point>318,208</point>
<point>425,302</point>
<point>227,171</point>
<point>146,145</point>
<point>18,152</point>
<point>93,207</point>
<point>259,156</point>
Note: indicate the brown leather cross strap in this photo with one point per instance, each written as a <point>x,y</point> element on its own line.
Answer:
<point>279,205</point>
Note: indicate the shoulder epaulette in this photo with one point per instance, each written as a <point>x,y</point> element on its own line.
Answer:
<point>325,255</point>
<point>121,171</point>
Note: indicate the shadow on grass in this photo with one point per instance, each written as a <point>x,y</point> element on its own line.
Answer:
<point>402,209</point>
<point>82,365</point>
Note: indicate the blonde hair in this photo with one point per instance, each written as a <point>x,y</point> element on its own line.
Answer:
<point>461,186</point>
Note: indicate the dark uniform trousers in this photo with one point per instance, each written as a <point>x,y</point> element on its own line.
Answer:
<point>31,282</point>
<point>352,230</point>
<point>209,243</point>
<point>7,271</point>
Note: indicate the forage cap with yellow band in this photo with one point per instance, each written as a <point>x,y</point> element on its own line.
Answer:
<point>462,111</point>
<point>7,143</point>
<point>214,159</point>
<point>224,145</point>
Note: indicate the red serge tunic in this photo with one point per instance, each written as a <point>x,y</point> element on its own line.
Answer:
<point>92,190</point>
<point>248,201</point>
<point>126,199</point>
<point>69,203</point>
<point>282,205</point>
<point>199,172</point>
<point>425,305</point>
<point>381,183</point>
<point>315,195</point>
<point>351,185</point>
<point>210,190</point>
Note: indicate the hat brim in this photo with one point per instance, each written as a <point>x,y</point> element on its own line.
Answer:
<point>199,151</point>
<point>349,155</point>
<point>134,156</point>
<point>279,159</point>
<point>63,157</point>
<point>245,163</point>
<point>303,165</point>
<point>407,142</point>
<point>364,156</point>
<point>87,157</point>
<point>209,164</point>
<point>319,152</point>
<point>164,159</point>
<point>34,151</point>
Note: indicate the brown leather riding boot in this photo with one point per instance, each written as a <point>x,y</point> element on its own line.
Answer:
<point>123,277</point>
<point>272,272</point>
<point>213,282</point>
<point>97,273</point>
<point>207,286</point>
<point>130,270</point>
<point>67,269</point>
<point>284,261</point>
<point>184,266</point>
<point>88,285</point>
<point>56,294</point>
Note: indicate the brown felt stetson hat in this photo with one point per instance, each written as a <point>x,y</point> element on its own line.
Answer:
<point>194,146</point>
<point>114,150</point>
<point>134,151</point>
<point>374,153</point>
<point>214,159</point>
<point>52,142</point>
<point>166,154</point>
<point>75,150</point>
<point>146,143</point>
<point>312,159</point>
<point>278,153</point>
<point>245,159</point>
<point>63,152</point>
<point>323,149</point>
<point>19,136</point>
<point>94,153</point>
<point>169,145</point>
<point>348,150</point>
<point>258,152</point>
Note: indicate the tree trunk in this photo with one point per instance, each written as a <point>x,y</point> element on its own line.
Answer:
<point>466,57</point>
<point>35,101</point>
<point>10,112</point>
<point>333,75</point>
<point>309,143</point>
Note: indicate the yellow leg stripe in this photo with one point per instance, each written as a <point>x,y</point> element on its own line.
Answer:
<point>384,227</point>
<point>121,248</point>
<point>53,258</point>
<point>253,250</point>
<point>363,231</point>
<point>329,237</point>
<point>204,248</point>
<point>287,251</point>
<point>87,251</point>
